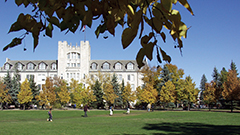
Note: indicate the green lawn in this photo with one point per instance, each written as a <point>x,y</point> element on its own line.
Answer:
<point>99,122</point>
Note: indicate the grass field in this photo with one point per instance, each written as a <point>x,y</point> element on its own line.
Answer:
<point>99,122</point>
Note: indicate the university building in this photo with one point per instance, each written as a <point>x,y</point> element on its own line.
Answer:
<point>73,62</point>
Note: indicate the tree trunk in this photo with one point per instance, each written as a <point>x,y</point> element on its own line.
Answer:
<point>188,107</point>
<point>209,107</point>
<point>23,106</point>
<point>231,106</point>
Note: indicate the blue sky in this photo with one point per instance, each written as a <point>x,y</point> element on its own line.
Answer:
<point>212,40</point>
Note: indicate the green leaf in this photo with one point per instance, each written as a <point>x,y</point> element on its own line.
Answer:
<point>166,57</point>
<point>15,27</point>
<point>167,4</point>
<point>163,36</point>
<point>139,58</point>
<point>97,31</point>
<point>35,41</point>
<point>127,37</point>
<point>15,42</point>
<point>63,26</point>
<point>49,30</point>
<point>54,21</point>
<point>186,5</point>
<point>18,2</point>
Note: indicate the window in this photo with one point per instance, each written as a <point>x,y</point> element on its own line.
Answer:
<point>78,64</point>
<point>54,66</point>
<point>118,66</point>
<point>106,66</point>
<point>7,66</point>
<point>74,55</point>
<point>19,66</point>
<point>39,86</point>
<point>67,75</point>
<point>68,55</point>
<point>30,77</point>
<point>42,66</point>
<point>74,64</point>
<point>70,75</point>
<point>133,87</point>
<point>74,75</point>
<point>129,66</point>
<point>30,66</point>
<point>78,55</point>
<point>120,77</point>
<point>94,66</point>
<point>77,75</point>
<point>129,77</point>
<point>68,64</point>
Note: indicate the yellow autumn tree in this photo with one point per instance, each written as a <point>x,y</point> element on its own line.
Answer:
<point>73,85</point>
<point>127,94</point>
<point>82,96</point>
<point>64,94</point>
<point>25,94</point>
<point>47,96</point>
<point>4,96</point>
<point>168,93</point>
<point>231,88</point>
<point>210,94</point>
<point>188,93</point>
<point>108,93</point>
<point>147,94</point>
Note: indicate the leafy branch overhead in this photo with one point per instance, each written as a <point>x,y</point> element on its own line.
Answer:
<point>132,15</point>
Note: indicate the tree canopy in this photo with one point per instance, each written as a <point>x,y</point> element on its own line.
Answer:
<point>132,15</point>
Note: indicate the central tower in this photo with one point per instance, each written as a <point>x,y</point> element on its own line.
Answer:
<point>73,61</point>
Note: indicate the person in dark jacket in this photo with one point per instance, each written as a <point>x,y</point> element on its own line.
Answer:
<point>85,110</point>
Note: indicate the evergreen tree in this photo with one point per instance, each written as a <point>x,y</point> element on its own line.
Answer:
<point>98,92</point>
<point>165,76</point>
<point>35,90</point>
<point>216,76</point>
<point>203,82</point>
<point>118,101</point>
<point>223,76</point>
<point>15,85</point>
<point>233,67</point>
<point>7,81</point>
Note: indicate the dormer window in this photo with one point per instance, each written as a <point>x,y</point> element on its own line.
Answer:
<point>42,66</point>
<point>106,65</point>
<point>118,66</point>
<point>7,66</point>
<point>54,66</point>
<point>94,66</point>
<point>130,66</point>
<point>19,66</point>
<point>30,66</point>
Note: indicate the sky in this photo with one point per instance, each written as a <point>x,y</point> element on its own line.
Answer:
<point>212,41</point>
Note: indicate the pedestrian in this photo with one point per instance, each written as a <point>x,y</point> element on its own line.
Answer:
<point>148,107</point>
<point>85,110</point>
<point>111,110</point>
<point>50,115</point>
<point>128,108</point>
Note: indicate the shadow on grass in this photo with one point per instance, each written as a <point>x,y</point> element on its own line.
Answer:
<point>193,128</point>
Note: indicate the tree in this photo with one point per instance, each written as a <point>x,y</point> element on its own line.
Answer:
<point>168,93</point>
<point>203,82</point>
<point>216,78</point>
<point>4,96</point>
<point>128,95</point>
<point>189,92</point>
<point>98,92</point>
<point>210,96</point>
<point>233,67</point>
<point>231,87</point>
<point>35,90</point>
<point>83,95</point>
<point>132,15</point>
<point>147,94</point>
<point>47,96</point>
<point>15,83</point>
<point>63,94</point>
<point>118,101</point>
<point>25,94</point>
<point>109,95</point>
<point>165,76</point>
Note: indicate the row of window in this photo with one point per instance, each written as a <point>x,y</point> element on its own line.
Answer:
<point>31,66</point>
<point>117,65</point>
<point>73,55</point>
<point>73,64</point>
<point>130,77</point>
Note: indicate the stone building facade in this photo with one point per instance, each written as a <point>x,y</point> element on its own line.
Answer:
<point>73,62</point>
